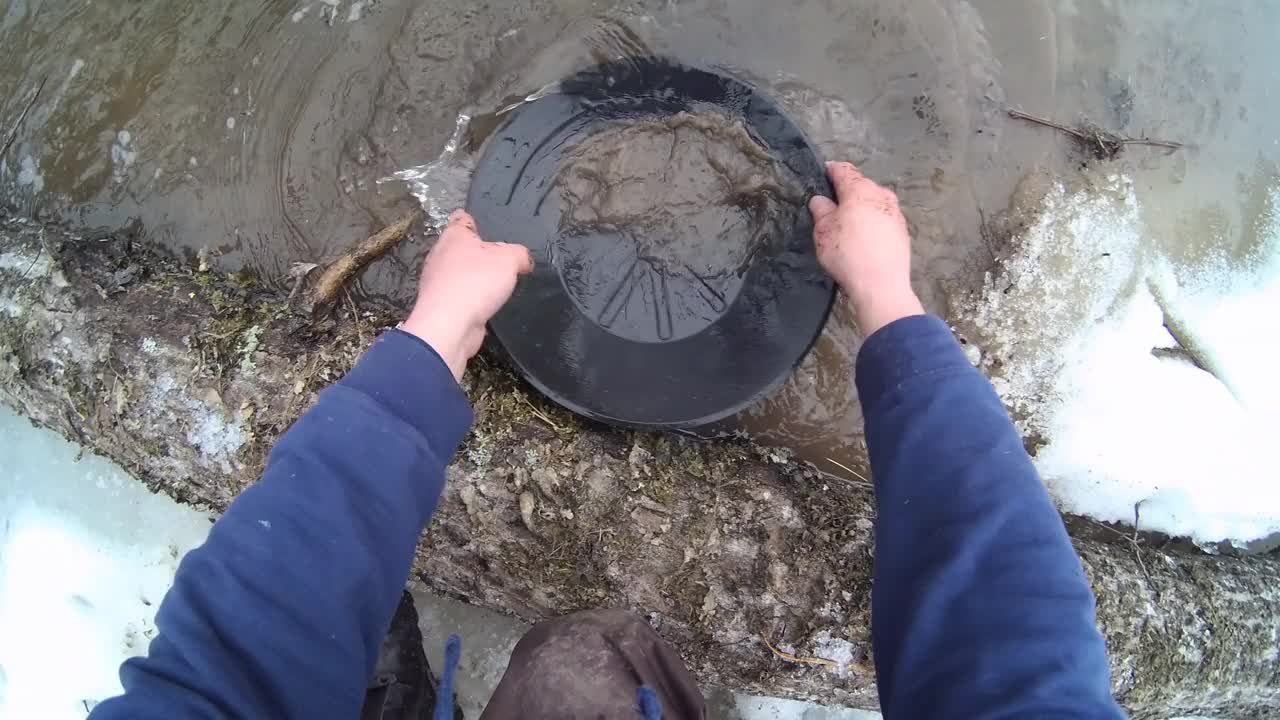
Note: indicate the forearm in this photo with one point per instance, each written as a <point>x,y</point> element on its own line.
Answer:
<point>981,606</point>
<point>281,612</point>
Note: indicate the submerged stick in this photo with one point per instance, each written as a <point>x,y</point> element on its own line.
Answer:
<point>13,131</point>
<point>333,280</point>
<point>1019,115</point>
<point>1105,145</point>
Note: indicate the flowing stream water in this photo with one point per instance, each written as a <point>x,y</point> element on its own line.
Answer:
<point>260,129</point>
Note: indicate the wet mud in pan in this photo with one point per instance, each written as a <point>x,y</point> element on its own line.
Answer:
<point>664,205</point>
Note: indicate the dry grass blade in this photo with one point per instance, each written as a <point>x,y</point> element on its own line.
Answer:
<point>539,414</point>
<point>852,472</point>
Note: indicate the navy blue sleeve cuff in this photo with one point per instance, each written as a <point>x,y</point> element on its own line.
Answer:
<point>904,349</point>
<point>404,374</point>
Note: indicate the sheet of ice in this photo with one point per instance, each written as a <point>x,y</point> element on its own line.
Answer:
<point>1129,417</point>
<point>86,554</point>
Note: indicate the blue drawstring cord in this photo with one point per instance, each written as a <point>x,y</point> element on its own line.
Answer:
<point>647,699</point>
<point>444,693</point>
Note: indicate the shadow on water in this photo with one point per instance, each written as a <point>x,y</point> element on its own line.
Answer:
<point>260,130</point>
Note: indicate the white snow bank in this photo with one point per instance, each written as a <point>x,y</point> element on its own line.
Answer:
<point>86,554</point>
<point>1124,427</point>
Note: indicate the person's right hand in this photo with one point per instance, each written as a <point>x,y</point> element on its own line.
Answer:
<point>862,241</point>
<point>464,281</point>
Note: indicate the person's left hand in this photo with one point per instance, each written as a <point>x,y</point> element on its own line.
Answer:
<point>464,281</point>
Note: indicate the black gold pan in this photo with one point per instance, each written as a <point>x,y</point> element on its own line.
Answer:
<point>619,336</point>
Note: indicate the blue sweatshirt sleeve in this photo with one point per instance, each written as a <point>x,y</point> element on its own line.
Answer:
<point>981,607</point>
<point>281,612</point>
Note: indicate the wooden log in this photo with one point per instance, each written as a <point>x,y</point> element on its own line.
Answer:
<point>186,378</point>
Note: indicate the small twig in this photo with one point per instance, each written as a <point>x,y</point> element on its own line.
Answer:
<point>13,131</point>
<point>1104,527</point>
<point>853,472</point>
<point>355,315</point>
<point>984,232</point>
<point>1131,539</point>
<point>1170,144</point>
<point>1137,548</point>
<point>1018,114</point>
<point>1104,144</point>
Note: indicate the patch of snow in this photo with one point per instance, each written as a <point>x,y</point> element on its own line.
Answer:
<point>76,67</point>
<point>1159,433</point>
<point>1130,418</point>
<point>86,554</point>
<point>216,436</point>
<point>29,174</point>
<point>757,707</point>
<point>33,265</point>
<point>150,346</point>
<point>837,650</point>
<point>353,14</point>
<point>231,123</point>
<point>298,16</point>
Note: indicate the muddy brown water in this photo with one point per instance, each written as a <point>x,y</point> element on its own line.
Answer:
<point>695,191</point>
<point>259,130</point>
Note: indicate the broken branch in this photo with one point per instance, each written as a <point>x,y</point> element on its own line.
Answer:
<point>333,280</point>
<point>1102,144</point>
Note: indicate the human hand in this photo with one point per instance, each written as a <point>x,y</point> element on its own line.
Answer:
<point>464,281</point>
<point>862,241</point>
